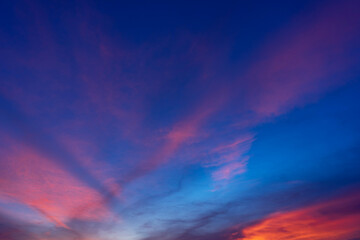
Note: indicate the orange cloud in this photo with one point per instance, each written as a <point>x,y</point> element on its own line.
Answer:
<point>334,220</point>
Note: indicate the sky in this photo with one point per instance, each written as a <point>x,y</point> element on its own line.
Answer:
<point>179,120</point>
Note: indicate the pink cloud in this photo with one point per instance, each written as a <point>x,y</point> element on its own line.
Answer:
<point>230,170</point>
<point>242,140</point>
<point>30,179</point>
<point>305,60</point>
<point>183,132</point>
<point>297,66</point>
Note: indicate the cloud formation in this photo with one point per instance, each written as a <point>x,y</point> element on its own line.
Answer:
<point>161,121</point>
<point>335,219</point>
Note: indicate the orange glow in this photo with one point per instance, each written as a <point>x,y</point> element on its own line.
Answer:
<point>334,220</point>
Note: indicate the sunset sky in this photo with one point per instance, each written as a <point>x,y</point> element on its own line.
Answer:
<point>180,120</point>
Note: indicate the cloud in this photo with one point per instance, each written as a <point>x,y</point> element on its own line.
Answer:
<point>20,128</point>
<point>305,60</point>
<point>308,58</point>
<point>30,179</point>
<point>98,95</point>
<point>334,220</point>
<point>230,170</point>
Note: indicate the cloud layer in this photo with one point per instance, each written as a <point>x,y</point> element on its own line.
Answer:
<point>234,121</point>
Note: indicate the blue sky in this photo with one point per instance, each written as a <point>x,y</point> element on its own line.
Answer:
<point>234,120</point>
